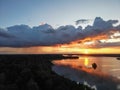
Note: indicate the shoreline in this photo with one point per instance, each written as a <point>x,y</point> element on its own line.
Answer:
<point>33,72</point>
<point>61,55</point>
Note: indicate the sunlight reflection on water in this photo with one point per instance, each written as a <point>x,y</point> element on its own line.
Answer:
<point>105,76</point>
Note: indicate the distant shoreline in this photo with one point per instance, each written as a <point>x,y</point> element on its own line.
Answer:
<point>70,55</point>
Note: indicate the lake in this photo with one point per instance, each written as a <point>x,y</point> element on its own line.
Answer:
<point>106,75</point>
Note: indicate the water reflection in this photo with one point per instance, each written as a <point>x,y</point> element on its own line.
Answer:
<point>106,75</point>
<point>86,61</point>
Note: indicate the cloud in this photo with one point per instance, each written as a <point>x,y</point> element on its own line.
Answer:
<point>82,21</point>
<point>100,27</point>
<point>4,34</point>
<point>46,35</point>
<point>99,23</point>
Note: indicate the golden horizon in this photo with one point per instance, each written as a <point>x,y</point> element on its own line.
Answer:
<point>59,50</point>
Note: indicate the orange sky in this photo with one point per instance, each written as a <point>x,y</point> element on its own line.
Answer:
<point>58,50</point>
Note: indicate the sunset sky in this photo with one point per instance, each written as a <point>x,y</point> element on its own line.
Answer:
<point>60,26</point>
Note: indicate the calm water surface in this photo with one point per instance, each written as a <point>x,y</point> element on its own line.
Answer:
<point>105,77</point>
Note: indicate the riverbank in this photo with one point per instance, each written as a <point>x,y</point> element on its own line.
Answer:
<point>33,72</point>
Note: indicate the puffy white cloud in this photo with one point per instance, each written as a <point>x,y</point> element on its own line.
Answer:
<point>24,36</point>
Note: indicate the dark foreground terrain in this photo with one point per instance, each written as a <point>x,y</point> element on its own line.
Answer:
<point>33,72</point>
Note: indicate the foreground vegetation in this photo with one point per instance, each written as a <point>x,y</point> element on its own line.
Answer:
<point>33,72</point>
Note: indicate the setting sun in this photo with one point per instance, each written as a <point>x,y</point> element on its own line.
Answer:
<point>86,51</point>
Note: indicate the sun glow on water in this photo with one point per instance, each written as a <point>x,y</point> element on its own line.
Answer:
<point>86,62</point>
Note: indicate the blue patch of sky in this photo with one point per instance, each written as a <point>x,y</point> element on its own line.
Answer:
<point>55,12</point>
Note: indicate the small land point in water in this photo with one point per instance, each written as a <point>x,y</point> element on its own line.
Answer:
<point>118,58</point>
<point>94,65</point>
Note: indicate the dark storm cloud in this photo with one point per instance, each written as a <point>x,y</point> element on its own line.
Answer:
<point>4,34</point>
<point>81,21</point>
<point>24,36</point>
